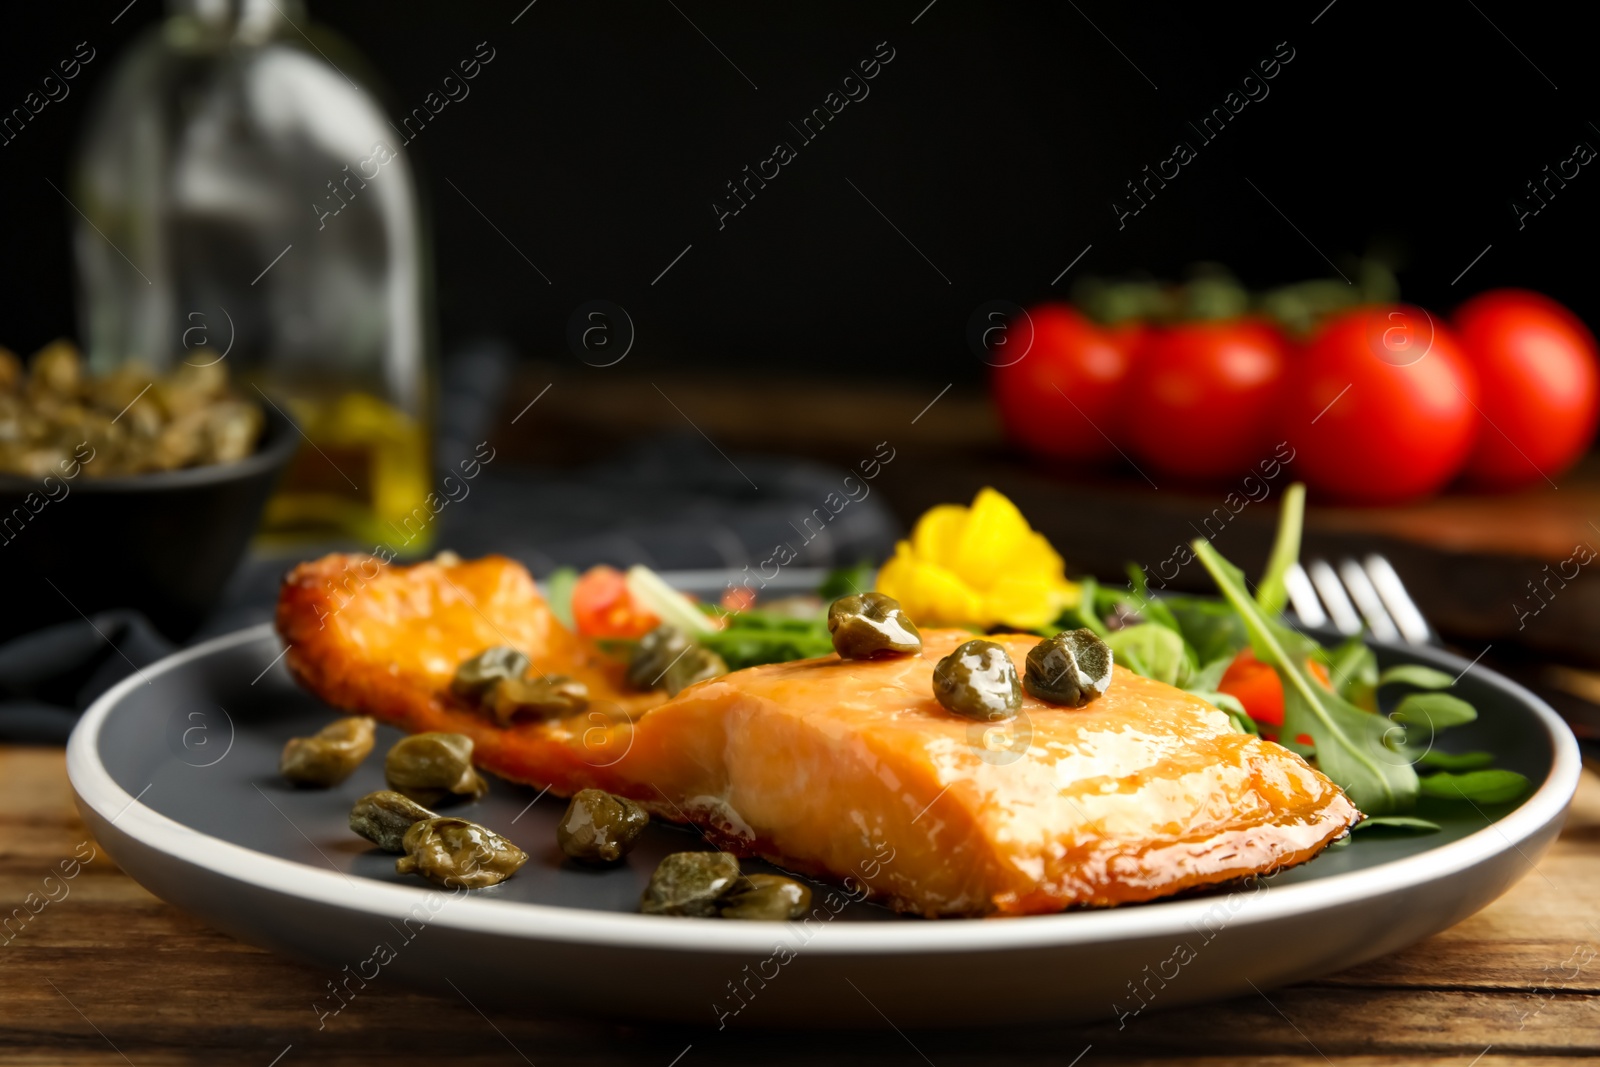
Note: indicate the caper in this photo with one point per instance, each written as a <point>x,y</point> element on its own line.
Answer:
<point>697,665</point>
<point>384,817</point>
<point>690,883</point>
<point>871,626</point>
<point>433,767</point>
<point>978,680</point>
<point>766,897</point>
<point>544,698</point>
<point>1071,668</point>
<point>457,853</point>
<point>599,828</point>
<point>329,756</point>
<point>656,651</point>
<point>480,674</point>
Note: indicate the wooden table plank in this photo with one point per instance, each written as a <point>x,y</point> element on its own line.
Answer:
<point>106,963</point>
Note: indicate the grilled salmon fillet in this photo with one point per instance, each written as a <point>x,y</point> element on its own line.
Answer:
<point>838,768</point>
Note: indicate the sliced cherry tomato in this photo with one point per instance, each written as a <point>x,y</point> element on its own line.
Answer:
<point>1381,407</point>
<point>603,607</point>
<point>1536,363</point>
<point>1062,399</point>
<point>1258,687</point>
<point>1204,405</point>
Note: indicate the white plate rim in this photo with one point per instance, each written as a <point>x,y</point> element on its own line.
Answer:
<point>99,792</point>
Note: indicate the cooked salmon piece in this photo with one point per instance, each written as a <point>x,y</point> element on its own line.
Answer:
<point>844,769</point>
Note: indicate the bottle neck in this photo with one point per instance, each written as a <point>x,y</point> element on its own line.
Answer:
<point>245,21</point>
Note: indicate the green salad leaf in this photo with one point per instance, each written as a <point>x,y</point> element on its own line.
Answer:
<point>1349,741</point>
<point>1455,761</point>
<point>1416,674</point>
<point>1486,786</point>
<point>1272,594</point>
<point>558,586</point>
<point>1398,822</point>
<point>752,638</point>
<point>1153,651</point>
<point>1436,711</point>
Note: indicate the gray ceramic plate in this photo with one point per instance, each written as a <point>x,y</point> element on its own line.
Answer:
<point>175,772</point>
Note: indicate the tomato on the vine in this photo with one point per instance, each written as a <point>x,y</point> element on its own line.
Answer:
<point>1536,362</point>
<point>1062,399</point>
<point>1381,407</point>
<point>1205,399</point>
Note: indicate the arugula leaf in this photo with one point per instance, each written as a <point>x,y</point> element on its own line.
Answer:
<point>558,585</point>
<point>1210,627</point>
<point>1455,761</point>
<point>844,581</point>
<point>1272,594</point>
<point>1084,614</point>
<point>1398,822</point>
<point>1349,742</point>
<point>1437,711</point>
<point>1488,787</point>
<point>752,638</point>
<point>1416,674</point>
<point>1353,669</point>
<point>1207,678</point>
<point>1153,610</point>
<point>1160,652</point>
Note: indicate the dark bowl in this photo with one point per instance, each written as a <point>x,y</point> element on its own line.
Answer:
<point>162,543</point>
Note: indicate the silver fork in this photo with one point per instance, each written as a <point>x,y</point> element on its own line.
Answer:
<point>1367,592</point>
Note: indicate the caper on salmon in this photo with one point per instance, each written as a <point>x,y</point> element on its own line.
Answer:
<point>1072,668</point>
<point>329,756</point>
<point>766,898</point>
<point>384,817</point>
<point>476,677</point>
<point>456,853</point>
<point>551,697</point>
<point>666,659</point>
<point>690,883</point>
<point>979,681</point>
<point>871,626</point>
<point>433,767</point>
<point>697,665</point>
<point>599,828</point>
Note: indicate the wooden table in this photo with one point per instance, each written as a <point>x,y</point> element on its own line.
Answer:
<point>108,974</point>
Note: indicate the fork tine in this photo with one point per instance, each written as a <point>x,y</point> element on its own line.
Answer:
<point>1365,595</point>
<point>1337,601</point>
<point>1413,627</point>
<point>1304,597</point>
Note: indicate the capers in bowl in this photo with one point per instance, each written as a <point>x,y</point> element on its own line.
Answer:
<point>766,898</point>
<point>599,828</point>
<point>434,767</point>
<point>456,853</point>
<point>329,756</point>
<point>871,626</point>
<point>979,681</point>
<point>690,883</point>
<point>476,677</point>
<point>1072,668</point>
<point>384,817</point>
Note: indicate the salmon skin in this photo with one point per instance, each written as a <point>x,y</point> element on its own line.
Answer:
<point>836,768</point>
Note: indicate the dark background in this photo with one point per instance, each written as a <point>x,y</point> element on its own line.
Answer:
<point>995,140</point>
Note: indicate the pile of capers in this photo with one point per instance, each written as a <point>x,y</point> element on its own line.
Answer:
<point>128,422</point>
<point>979,681</point>
<point>495,683</point>
<point>451,852</point>
<point>709,885</point>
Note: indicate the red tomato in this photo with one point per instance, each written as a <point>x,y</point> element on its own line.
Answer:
<point>1541,390</point>
<point>1206,399</point>
<point>1381,406</point>
<point>603,607</point>
<point>1258,687</point>
<point>1061,399</point>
